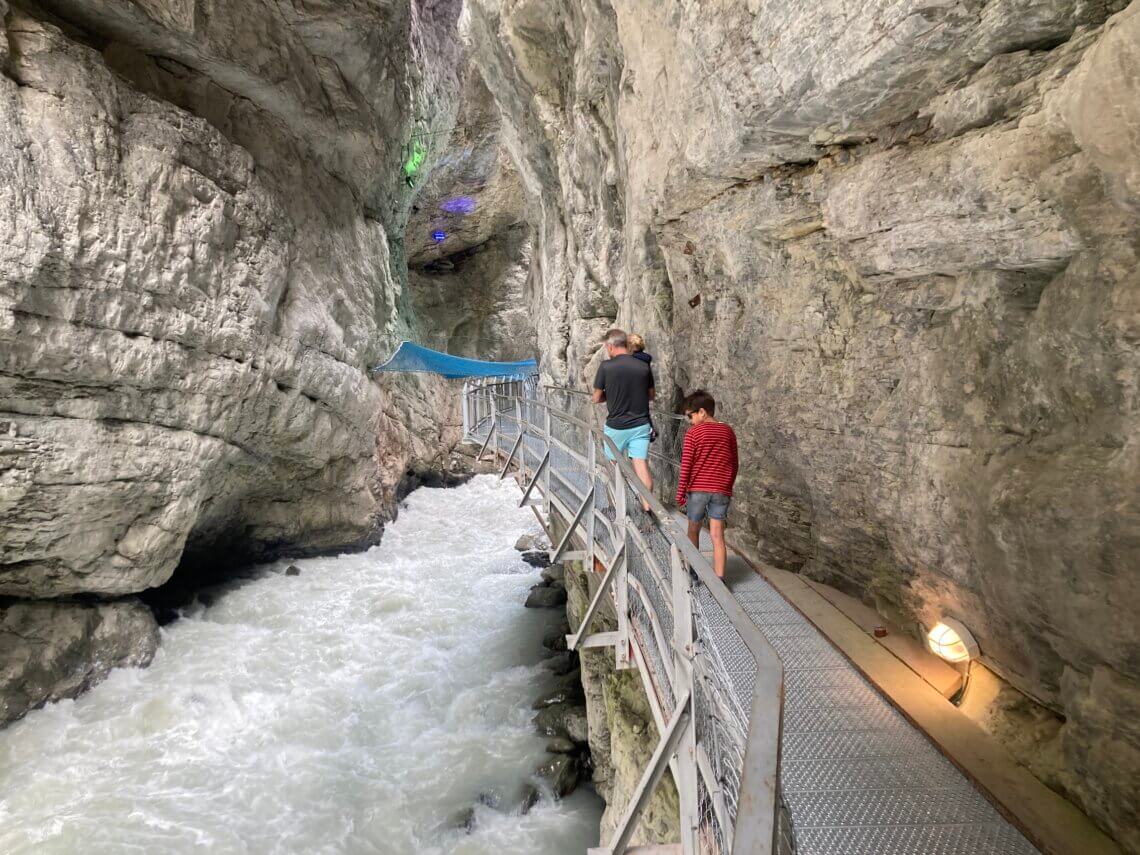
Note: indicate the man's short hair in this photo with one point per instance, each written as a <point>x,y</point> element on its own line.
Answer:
<point>699,400</point>
<point>616,338</point>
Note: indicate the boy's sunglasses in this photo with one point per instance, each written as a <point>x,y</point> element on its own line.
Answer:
<point>689,416</point>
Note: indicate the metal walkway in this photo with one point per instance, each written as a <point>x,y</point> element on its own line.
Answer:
<point>855,777</point>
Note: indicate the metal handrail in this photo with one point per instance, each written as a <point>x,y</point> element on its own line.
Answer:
<point>755,824</point>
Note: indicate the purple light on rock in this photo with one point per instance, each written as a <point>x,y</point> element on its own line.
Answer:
<point>438,236</point>
<point>458,205</point>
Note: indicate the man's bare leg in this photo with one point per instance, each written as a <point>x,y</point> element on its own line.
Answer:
<point>720,554</point>
<point>695,534</point>
<point>641,467</point>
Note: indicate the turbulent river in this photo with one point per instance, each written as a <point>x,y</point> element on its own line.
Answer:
<point>355,708</point>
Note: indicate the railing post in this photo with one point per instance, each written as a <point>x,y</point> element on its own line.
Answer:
<point>549,450</point>
<point>683,684</point>
<point>466,405</point>
<point>521,427</point>
<point>591,458</point>
<point>621,591</point>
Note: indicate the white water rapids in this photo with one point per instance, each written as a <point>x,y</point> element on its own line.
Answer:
<point>355,708</point>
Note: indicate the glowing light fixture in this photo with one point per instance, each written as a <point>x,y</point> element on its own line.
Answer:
<point>439,236</point>
<point>415,154</point>
<point>459,205</point>
<point>952,641</point>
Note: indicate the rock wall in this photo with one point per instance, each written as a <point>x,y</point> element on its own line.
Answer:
<point>469,249</point>
<point>202,213</point>
<point>899,244</point>
<point>53,650</point>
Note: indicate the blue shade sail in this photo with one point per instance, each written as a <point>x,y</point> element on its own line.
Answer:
<point>413,357</point>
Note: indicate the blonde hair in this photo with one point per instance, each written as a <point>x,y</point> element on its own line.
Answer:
<point>636,342</point>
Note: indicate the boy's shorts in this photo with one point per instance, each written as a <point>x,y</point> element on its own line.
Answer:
<point>633,441</point>
<point>699,502</point>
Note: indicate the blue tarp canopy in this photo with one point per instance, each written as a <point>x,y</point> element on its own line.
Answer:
<point>412,357</point>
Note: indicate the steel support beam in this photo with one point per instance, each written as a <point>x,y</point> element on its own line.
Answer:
<point>546,475</point>
<point>598,639</point>
<point>537,474</point>
<point>652,776</point>
<point>487,441</point>
<point>557,554</point>
<point>595,603</point>
<point>511,456</point>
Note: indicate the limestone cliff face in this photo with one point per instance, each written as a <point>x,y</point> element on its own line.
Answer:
<point>469,248</point>
<point>202,209</point>
<point>899,244</point>
<point>198,210</point>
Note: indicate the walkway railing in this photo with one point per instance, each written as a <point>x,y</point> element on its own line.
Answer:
<point>714,682</point>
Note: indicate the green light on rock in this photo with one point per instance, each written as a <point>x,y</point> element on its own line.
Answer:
<point>416,154</point>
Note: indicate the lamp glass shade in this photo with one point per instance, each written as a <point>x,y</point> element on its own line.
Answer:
<point>952,641</point>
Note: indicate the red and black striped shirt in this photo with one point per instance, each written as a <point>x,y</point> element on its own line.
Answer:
<point>708,460</point>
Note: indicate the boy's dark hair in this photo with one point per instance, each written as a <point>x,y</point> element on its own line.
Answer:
<point>699,400</point>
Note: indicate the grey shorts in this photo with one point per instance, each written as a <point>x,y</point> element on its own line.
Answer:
<point>716,504</point>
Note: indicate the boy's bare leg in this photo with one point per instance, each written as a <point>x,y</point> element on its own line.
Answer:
<point>720,554</point>
<point>641,467</point>
<point>695,534</point>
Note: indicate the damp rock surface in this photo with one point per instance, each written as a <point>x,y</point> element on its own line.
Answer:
<point>55,650</point>
<point>184,332</point>
<point>898,243</point>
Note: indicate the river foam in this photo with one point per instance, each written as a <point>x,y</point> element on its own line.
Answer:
<point>354,708</point>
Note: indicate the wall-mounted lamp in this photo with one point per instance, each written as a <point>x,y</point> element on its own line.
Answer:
<point>952,641</point>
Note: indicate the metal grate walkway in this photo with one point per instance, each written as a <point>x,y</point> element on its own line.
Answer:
<point>858,778</point>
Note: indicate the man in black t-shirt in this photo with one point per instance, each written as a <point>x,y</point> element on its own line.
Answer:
<point>625,383</point>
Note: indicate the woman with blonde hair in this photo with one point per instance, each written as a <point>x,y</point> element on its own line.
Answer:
<point>637,350</point>
<point>637,347</point>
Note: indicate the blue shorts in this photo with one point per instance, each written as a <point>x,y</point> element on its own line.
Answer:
<point>633,441</point>
<point>715,503</point>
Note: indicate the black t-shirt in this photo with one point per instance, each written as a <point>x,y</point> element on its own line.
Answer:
<point>626,381</point>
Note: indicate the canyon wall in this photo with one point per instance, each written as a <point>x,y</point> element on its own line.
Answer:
<point>898,242</point>
<point>468,245</point>
<point>202,211</point>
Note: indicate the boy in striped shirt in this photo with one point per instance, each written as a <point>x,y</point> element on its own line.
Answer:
<point>708,471</point>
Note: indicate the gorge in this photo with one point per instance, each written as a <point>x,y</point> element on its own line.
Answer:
<point>898,242</point>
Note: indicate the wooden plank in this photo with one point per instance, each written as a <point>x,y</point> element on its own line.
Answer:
<point>944,677</point>
<point>1051,822</point>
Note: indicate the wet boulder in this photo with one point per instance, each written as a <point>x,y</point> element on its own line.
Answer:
<point>561,663</point>
<point>566,690</point>
<point>561,745</point>
<point>545,597</point>
<point>536,558</point>
<point>554,573</point>
<point>529,798</point>
<point>561,772</point>
<point>529,543</point>
<point>555,640</point>
<point>564,719</point>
